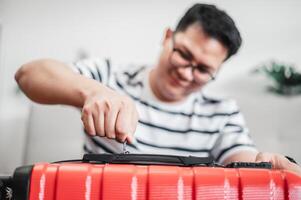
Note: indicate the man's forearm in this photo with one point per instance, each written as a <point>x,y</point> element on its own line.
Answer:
<point>52,82</point>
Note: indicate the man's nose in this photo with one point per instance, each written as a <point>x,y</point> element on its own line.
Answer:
<point>186,73</point>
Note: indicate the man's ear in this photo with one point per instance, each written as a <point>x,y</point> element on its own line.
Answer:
<point>167,35</point>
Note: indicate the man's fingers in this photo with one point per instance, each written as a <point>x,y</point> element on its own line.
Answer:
<point>278,161</point>
<point>130,139</point>
<point>99,123</point>
<point>124,124</point>
<point>88,122</point>
<point>114,117</point>
<point>110,121</point>
<point>134,121</point>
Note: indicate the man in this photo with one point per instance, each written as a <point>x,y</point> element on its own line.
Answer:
<point>158,109</point>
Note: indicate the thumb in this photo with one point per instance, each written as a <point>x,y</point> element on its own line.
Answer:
<point>130,139</point>
<point>278,162</point>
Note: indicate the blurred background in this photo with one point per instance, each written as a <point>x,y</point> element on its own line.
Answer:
<point>131,32</point>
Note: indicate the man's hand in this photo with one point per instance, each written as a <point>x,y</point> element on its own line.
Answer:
<point>104,112</point>
<point>109,114</point>
<point>278,161</point>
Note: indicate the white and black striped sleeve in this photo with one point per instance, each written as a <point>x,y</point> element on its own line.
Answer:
<point>234,137</point>
<point>97,69</point>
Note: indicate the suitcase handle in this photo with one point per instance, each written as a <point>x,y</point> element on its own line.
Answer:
<point>148,159</point>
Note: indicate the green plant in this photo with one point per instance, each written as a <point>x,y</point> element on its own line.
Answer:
<point>287,81</point>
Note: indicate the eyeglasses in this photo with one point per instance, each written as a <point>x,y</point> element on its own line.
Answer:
<point>179,58</point>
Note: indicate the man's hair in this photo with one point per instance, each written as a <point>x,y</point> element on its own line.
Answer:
<point>215,23</point>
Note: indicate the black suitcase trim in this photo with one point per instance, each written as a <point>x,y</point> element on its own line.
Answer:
<point>21,182</point>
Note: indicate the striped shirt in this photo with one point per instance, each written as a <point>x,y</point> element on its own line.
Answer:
<point>198,126</point>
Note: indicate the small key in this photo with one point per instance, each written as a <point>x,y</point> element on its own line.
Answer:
<point>124,148</point>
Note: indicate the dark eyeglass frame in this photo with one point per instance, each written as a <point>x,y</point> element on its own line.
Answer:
<point>198,67</point>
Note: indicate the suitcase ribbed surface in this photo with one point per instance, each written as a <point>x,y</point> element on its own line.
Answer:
<point>140,182</point>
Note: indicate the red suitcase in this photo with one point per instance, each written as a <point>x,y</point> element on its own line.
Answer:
<point>150,177</point>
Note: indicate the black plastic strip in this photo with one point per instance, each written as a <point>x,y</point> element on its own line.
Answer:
<point>5,187</point>
<point>68,161</point>
<point>148,159</point>
<point>21,182</point>
<point>261,165</point>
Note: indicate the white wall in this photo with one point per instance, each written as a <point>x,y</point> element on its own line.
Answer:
<point>1,46</point>
<point>131,31</point>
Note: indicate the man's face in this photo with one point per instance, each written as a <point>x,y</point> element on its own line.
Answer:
<point>174,78</point>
